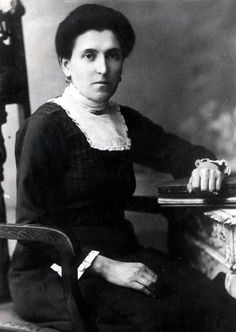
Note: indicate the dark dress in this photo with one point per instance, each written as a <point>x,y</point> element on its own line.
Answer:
<point>64,182</point>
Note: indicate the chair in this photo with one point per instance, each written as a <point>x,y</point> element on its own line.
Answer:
<point>9,320</point>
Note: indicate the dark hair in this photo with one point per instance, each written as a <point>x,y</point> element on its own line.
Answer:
<point>93,17</point>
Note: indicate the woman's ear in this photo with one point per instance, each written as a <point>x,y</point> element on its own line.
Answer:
<point>65,66</point>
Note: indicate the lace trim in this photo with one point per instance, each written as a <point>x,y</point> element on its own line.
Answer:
<point>121,125</point>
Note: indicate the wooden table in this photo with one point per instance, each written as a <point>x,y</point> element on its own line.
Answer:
<point>202,228</point>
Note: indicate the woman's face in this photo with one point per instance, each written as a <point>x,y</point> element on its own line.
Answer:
<point>96,64</point>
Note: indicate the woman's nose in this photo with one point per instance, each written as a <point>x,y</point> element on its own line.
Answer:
<point>101,65</point>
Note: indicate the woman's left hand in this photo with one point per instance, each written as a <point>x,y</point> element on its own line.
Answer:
<point>207,177</point>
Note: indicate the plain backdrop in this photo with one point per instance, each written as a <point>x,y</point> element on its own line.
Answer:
<point>181,73</point>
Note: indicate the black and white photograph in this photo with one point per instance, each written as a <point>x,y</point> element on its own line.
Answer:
<point>118,165</point>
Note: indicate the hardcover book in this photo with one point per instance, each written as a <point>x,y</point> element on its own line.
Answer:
<point>175,193</point>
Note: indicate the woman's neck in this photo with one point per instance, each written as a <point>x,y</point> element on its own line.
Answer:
<point>86,103</point>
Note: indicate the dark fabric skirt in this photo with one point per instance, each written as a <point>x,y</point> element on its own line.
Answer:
<point>185,300</point>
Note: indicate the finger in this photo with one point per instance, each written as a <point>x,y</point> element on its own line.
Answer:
<point>141,288</point>
<point>189,186</point>
<point>149,274</point>
<point>212,180</point>
<point>219,180</point>
<point>147,283</point>
<point>195,180</point>
<point>145,272</point>
<point>204,179</point>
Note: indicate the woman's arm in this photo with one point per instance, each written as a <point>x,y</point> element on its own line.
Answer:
<point>168,153</point>
<point>131,275</point>
<point>39,151</point>
<point>40,154</point>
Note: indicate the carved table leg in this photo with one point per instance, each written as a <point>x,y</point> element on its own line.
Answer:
<point>230,283</point>
<point>230,280</point>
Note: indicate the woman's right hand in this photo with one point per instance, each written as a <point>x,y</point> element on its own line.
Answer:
<point>131,275</point>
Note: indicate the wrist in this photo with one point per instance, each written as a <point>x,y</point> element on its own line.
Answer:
<point>100,265</point>
<point>221,165</point>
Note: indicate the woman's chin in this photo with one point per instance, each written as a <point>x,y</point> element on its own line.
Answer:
<point>100,98</point>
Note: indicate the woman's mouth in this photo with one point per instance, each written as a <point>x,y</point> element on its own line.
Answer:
<point>101,83</point>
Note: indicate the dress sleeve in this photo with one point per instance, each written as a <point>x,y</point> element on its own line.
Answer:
<point>153,147</point>
<point>39,151</point>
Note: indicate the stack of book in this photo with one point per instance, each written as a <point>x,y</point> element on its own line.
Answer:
<point>175,193</point>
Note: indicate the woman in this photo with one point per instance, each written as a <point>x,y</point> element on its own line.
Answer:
<point>75,170</point>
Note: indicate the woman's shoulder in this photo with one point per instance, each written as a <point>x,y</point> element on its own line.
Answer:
<point>138,123</point>
<point>133,118</point>
<point>47,118</point>
<point>130,113</point>
<point>48,114</point>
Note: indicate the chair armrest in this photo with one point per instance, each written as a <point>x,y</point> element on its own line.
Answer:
<point>53,236</point>
<point>58,239</point>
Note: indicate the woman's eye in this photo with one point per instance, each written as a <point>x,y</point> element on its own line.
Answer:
<point>115,55</point>
<point>89,56</point>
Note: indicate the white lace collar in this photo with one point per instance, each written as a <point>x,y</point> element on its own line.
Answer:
<point>102,123</point>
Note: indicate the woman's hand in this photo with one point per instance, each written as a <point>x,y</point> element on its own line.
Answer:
<point>206,177</point>
<point>131,275</point>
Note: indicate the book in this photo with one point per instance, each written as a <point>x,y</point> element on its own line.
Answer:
<point>175,193</point>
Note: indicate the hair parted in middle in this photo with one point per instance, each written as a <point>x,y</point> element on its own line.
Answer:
<point>93,17</point>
